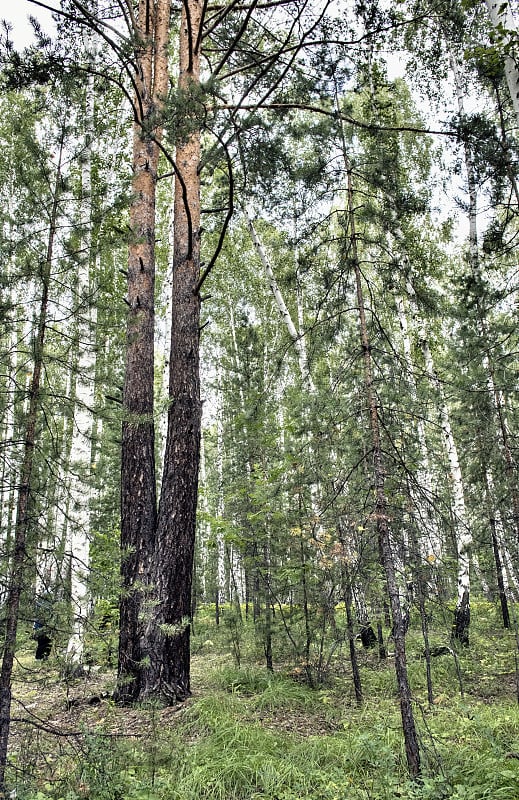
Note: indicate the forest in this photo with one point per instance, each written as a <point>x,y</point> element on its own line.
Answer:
<point>259,487</point>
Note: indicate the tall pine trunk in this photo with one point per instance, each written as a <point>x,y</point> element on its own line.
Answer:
<point>138,483</point>
<point>166,675</point>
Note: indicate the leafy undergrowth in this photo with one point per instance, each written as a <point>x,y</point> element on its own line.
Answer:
<point>249,735</point>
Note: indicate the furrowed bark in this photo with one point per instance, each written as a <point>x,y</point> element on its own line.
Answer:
<point>167,672</point>
<point>138,482</point>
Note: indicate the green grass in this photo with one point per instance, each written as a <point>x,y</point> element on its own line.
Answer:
<point>251,735</point>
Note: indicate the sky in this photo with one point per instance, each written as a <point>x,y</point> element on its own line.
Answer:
<point>17,13</point>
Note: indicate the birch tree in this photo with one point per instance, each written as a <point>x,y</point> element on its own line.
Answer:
<point>506,31</point>
<point>79,531</point>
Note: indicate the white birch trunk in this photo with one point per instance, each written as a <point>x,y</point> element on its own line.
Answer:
<point>299,340</point>
<point>220,510</point>
<point>430,539</point>
<point>476,569</point>
<point>6,488</point>
<point>163,337</point>
<point>19,378</point>
<point>296,336</point>
<point>498,523</point>
<point>78,534</point>
<point>503,21</point>
<point>471,178</point>
<point>205,526</point>
<point>238,574</point>
<point>510,575</point>
<point>235,558</point>
<point>459,510</point>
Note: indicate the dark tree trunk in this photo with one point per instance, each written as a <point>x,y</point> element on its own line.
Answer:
<point>19,561</point>
<point>348,596</point>
<point>138,484</point>
<point>166,675</point>
<point>267,636</point>
<point>382,649</point>
<point>461,626</point>
<point>418,572</point>
<point>505,613</point>
<point>306,611</point>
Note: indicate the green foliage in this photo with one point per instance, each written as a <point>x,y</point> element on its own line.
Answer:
<point>251,735</point>
<point>488,61</point>
<point>269,691</point>
<point>102,634</point>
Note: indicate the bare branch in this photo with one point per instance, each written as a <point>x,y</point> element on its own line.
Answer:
<point>235,41</point>
<point>219,18</point>
<point>228,216</point>
<point>356,122</point>
<point>201,28</point>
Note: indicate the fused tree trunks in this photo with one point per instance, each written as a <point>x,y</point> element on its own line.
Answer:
<point>167,672</point>
<point>138,485</point>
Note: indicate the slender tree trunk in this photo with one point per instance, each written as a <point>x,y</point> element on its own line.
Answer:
<point>83,398</point>
<point>348,597</point>
<point>381,515</point>
<point>492,516</point>
<point>221,594</point>
<point>11,356</point>
<point>205,530</point>
<point>461,623</point>
<point>497,12</point>
<point>506,446</point>
<point>19,561</point>
<point>267,634</point>
<point>306,609</point>
<point>167,674</point>
<point>430,544</point>
<point>297,337</point>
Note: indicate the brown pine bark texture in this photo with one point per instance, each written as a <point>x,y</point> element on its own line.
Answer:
<point>166,675</point>
<point>138,483</point>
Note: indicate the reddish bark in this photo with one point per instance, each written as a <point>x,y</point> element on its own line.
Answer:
<point>167,673</point>
<point>138,485</point>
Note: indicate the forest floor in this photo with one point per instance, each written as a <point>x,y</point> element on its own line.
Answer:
<point>246,734</point>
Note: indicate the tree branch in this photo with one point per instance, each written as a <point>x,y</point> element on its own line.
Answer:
<point>357,123</point>
<point>228,216</point>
